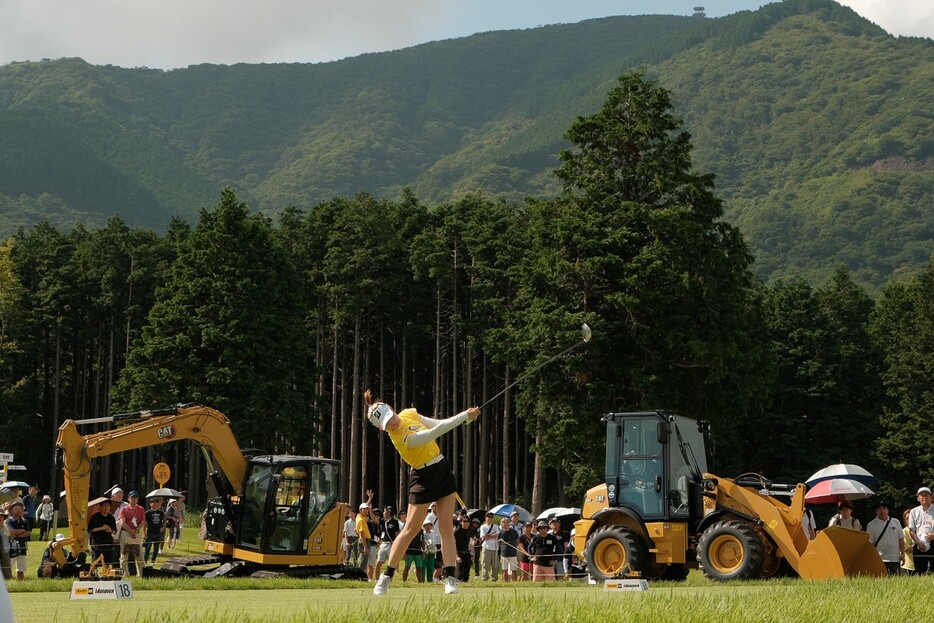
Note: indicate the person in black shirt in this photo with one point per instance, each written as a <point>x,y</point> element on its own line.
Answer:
<point>525,542</point>
<point>18,530</point>
<point>463,541</point>
<point>388,531</point>
<point>563,536</point>
<point>509,555</point>
<point>372,522</point>
<point>155,527</point>
<point>415,554</point>
<point>48,568</point>
<point>544,550</point>
<point>101,527</point>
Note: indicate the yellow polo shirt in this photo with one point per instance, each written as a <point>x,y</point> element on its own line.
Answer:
<point>362,528</point>
<point>412,424</point>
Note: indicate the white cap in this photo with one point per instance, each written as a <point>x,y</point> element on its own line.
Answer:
<point>364,506</point>
<point>923,490</point>
<point>116,490</point>
<point>59,537</point>
<point>379,414</point>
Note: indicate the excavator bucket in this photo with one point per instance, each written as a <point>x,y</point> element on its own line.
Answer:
<point>840,553</point>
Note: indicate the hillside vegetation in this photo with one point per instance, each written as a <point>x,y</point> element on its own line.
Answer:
<point>816,123</point>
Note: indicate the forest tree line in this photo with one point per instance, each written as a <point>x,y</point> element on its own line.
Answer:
<point>282,326</point>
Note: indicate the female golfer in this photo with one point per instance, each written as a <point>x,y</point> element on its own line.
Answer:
<point>431,479</point>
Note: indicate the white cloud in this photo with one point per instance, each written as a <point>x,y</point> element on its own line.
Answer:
<point>177,33</point>
<point>899,17</point>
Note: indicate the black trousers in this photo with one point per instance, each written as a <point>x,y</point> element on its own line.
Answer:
<point>463,570</point>
<point>923,560</point>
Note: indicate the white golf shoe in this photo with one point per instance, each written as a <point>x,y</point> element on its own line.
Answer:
<point>450,585</point>
<point>382,585</point>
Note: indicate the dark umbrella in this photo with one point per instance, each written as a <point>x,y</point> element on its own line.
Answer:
<point>476,513</point>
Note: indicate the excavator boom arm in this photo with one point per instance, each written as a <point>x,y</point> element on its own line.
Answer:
<point>208,427</point>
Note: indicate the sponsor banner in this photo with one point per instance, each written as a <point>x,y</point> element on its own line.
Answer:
<point>625,585</point>
<point>102,590</point>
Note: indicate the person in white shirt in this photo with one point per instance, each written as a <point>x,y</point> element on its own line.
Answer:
<point>431,569</point>
<point>810,524</point>
<point>921,529</point>
<point>350,538</point>
<point>844,517</point>
<point>489,544</point>
<point>44,514</point>
<point>887,537</point>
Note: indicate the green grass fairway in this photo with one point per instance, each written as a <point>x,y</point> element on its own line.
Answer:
<point>887,599</point>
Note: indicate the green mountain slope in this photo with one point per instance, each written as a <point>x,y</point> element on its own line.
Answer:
<point>816,123</point>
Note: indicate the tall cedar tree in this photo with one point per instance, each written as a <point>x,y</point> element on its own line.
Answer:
<point>635,247</point>
<point>227,332</point>
<point>904,330</point>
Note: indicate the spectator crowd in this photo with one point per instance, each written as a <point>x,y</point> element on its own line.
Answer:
<point>509,550</point>
<point>120,532</point>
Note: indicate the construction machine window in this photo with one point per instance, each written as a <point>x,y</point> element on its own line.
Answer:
<point>688,463</point>
<point>285,531</point>
<point>253,503</point>
<point>641,469</point>
<point>325,478</point>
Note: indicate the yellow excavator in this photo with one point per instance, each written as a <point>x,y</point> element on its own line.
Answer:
<point>660,514</point>
<point>274,515</point>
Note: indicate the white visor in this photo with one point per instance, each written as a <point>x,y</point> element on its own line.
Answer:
<point>379,415</point>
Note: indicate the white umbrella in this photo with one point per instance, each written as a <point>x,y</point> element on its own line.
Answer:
<point>837,490</point>
<point>552,512</point>
<point>842,470</point>
<point>163,492</point>
<point>14,484</point>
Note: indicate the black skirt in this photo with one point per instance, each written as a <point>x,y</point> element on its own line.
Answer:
<point>431,483</point>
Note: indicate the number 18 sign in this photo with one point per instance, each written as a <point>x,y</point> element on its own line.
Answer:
<point>102,590</point>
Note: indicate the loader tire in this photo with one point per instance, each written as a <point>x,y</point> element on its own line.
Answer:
<point>731,550</point>
<point>613,551</point>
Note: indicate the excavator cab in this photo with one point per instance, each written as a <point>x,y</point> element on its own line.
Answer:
<point>284,500</point>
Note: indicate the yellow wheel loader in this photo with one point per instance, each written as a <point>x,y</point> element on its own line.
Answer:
<point>660,514</point>
<point>274,515</point>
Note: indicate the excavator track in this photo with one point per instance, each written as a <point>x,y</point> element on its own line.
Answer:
<point>223,567</point>
<point>182,565</point>
<point>332,572</point>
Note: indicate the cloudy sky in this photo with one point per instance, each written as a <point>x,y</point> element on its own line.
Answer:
<point>177,33</point>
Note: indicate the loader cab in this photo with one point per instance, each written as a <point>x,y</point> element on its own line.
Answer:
<point>654,464</point>
<point>284,500</point>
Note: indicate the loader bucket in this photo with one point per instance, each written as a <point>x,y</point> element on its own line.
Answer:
<point>840,553</point>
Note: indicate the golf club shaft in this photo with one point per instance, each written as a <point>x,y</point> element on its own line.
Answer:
<point>522,377</point>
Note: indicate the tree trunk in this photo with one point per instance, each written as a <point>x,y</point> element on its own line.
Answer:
<point>335,449</point>
<point>55,418</point>
<point>509,487</point>
<point>538,485</point>
<point>436,392</point>
<point>487,423</point>
<point>357,443</point>
<point>401,469</point>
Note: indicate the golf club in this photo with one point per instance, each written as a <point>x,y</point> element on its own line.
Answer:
<point>585,337</point>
